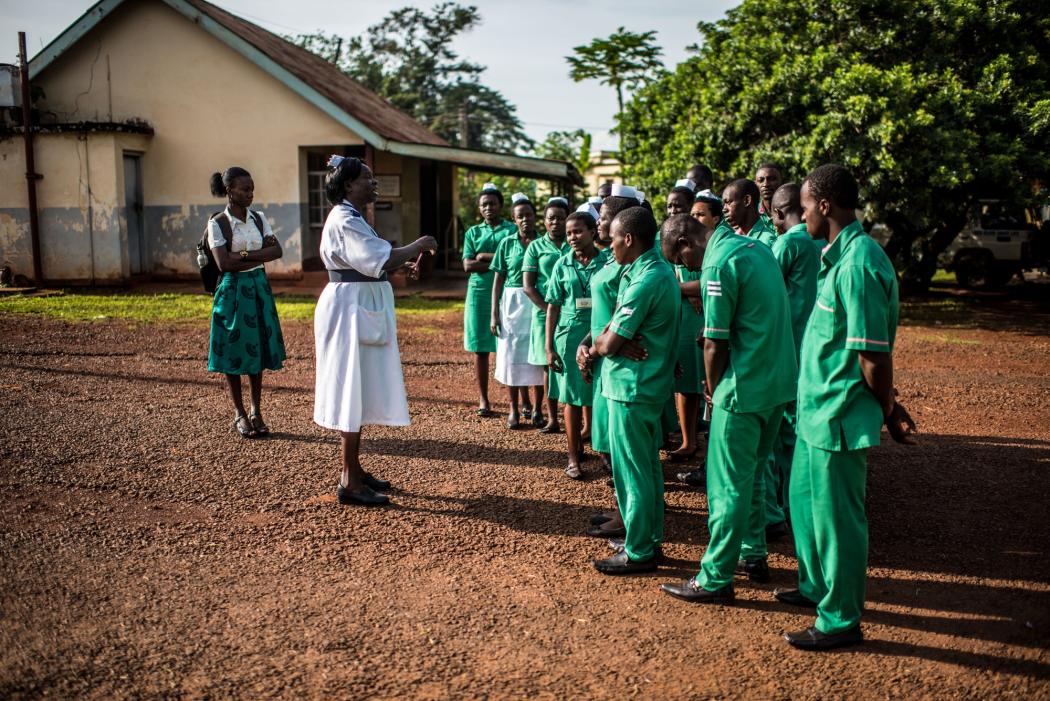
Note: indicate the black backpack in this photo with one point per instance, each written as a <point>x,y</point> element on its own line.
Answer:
<point>210,272</point>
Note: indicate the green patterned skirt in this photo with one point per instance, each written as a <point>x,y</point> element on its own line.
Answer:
<point>245,333</point>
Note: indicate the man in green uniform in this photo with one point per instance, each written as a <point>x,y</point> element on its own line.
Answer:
<point>845,395</point>
<point>751,373</point>
<point>769,178</point>
<point>540,257</point>
<point>799,261</point>
<point>637,385</point>
<point>479,246</point>
<point>740,206</point>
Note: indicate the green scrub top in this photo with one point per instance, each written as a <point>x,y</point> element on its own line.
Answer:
<point>745,302</point>
<point>646,306</point>
<point>482,238</point>
<point>605,285</point>
<point>508,259</point>
<point>763,231</point>
<point>856,310</point>
<point>799,262</point>
<point>540,257</point>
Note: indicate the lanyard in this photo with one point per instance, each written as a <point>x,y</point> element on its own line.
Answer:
<point>585,281</point>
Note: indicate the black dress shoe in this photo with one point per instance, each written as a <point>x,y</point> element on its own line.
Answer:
<point>376,484</point>
<point>601,532</point>
<point>756,570</point>
<point>813,639</point>
<point>777,531</point>
<point>620,563</point>
<point>689,590</point>
<point>599,519</point>
<point>694,478</point>
<point>793,597</point>
<point>362,497</point>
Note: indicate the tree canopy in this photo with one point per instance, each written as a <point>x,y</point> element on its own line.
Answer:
<point>625,58</point>
<point>933,104</point>
<point>408,59</point>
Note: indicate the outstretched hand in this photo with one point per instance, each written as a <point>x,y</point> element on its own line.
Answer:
<point>900,425</point>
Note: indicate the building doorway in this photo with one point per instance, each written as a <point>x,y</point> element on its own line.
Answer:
<point>137,253</point>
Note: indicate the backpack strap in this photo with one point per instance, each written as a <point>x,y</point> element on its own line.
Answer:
<point>223,221</point>
<point>258,222</point>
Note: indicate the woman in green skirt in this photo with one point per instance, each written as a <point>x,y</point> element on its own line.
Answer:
<point>479,246</point>
<point>540,258</point>
<point>245,333</point>
<point>568,322</point>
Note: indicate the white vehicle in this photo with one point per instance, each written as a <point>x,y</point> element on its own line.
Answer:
<point>992,248</point>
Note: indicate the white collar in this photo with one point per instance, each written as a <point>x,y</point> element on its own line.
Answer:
<point>233,218</point>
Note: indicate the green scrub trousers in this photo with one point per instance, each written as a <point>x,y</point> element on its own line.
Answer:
<point>737,450</point>
<point>831,532</point>
<point>635,437</point>
<point>779,476</point>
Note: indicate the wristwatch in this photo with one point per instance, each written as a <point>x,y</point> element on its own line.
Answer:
<point>244,253</point>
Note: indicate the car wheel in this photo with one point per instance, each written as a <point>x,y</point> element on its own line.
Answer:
<point>973,272</point>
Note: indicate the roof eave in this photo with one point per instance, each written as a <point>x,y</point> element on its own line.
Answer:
<point>504,163</point>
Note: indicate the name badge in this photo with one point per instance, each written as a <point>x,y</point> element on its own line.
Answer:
<point>583,303</point>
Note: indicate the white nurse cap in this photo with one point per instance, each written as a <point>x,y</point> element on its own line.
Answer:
<point>686,183</point>
<point>623,191</point>
<point>588,208</point>
<point>519,197</point>
<point>489,187</point>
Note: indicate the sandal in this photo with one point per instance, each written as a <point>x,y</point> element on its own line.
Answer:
<point>573,472</point>
<point>512,422</point>
<point>485,412</point>
<point>537,419</point>
<point>244,427</point>
<point>261,429</point>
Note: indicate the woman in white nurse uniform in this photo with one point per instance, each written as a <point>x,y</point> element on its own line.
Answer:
<point>359,380</point>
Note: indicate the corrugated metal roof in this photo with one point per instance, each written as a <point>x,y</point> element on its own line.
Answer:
<point>324,77</point>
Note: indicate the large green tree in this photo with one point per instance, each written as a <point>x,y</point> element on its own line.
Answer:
<point>624,59</point>
<point>571,146</point>
<point>408,59</point>
<point>933,104</point>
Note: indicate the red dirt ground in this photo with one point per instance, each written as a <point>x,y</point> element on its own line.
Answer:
<point>145,551</point>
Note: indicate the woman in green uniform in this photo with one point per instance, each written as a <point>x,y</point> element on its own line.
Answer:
<point>568,321</point>
<point>689,356</point>
<point>512,314</point>
<point>479,246</point>
<point>604,287</point>
<point>540,258</point>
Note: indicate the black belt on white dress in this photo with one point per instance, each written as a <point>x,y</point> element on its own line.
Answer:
<point>351,275</point>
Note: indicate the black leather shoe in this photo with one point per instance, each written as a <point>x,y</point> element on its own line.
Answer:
<point>376,484</point>
<point>793,597</point>
<point>599,519</point>
<point>689,590</point>
<point>621,564</point>
<point>362,497</point>
<point>756,570</point>
<point>777,531</point>
<point>813,639</point>
<point>694,478</point>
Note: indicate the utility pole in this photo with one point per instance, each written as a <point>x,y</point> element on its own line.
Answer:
<point>31,175</point>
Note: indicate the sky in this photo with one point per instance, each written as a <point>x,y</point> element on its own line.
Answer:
<point>523,44</point>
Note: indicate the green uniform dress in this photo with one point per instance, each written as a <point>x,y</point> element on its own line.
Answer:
<point>745,303</point>
<point>838,420</point>
<point>690,324</point>
<point>799,261</point>
<point>477,312</point>
<point>636,390</point>
<point>540,258</point>
<point>605,285</point>
<point>569,287</point>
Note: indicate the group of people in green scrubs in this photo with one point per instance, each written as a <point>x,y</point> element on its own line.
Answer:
<point>768,309</point>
